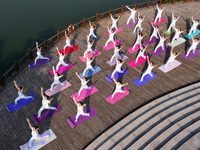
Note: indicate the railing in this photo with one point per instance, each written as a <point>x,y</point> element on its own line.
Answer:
<point>16,67</point>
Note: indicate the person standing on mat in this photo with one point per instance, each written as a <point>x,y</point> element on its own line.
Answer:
<point>116,52</point>
<point>68,41</point>
<point>56,79</point>
<point>139,23</point>
<point>45,103</point>
<point>111,36</point>
<point>80,111</point>
<point>159,13</point>
<point>84,85</point>
<point>118,88</point>
<point>20,94</point>
<point>92,28</point>
<point>148,70</point>
<point>193,47</point>
<point>161,42</point>
<point>35,134</point>
<point>155,32</point>
<point>173,22</point>
<point>89,47</point>
<point>61,60</point>
<point>140,36</point>
<point>88,64</point>
<point>172,57</point>
<point>114,22</point>
<point>194,26</point>
<point>118,67</point>
<point>177,34</point>
<point>132,16</point>
<point>141,53</point>
<point>39,55</point>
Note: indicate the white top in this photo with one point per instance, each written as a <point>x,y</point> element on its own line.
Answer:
<point>141,52</point>
<point>177,34</point>
<point>61,58</point>
<point>139,21</point>
<point>133,12</point>
<point>116,51</point>
<point>194,44</point>
<point>118,66</point>
<point>79,109</point>
<point>20,93</point>
<point>111,35</point>
<point>172,57</point>
<point>83,82</point>
<point>114,21</point>
<point>91,30</point>
<point>159,11</point>
<point>89,46</point>
<point>38,53</point>
<point>155,31</point>
<point>34,133</point>
<point>195,24</point>
<point>56,79</point>
<point>149,69</point>
<point>139,39</point>
<point>88,63</point>
<point>162,40</point>
<point>45,103</point>
<point>118,87</point>
<point>67,42</point>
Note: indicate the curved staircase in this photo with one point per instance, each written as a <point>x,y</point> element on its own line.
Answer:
<point>169,122</point>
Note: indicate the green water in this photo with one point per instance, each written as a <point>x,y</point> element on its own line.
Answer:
<point>23,22</point>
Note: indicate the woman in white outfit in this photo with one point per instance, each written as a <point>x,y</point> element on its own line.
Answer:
<point>35,134</point>
<point>132,16</point>
<point>193,47</point>
<point>194,26</point>
<point>80,111</point>
<point>177,34</point>
<point>161,42</point>
<point>20,93</point>
<point>114,22</point>
<point>139,23</point>
<point>111,36</point>
<point>140,36</point>
<point>39,55</point>
<point>159,13</point>
<point>118,88</point>
<point>61,60</point>
<point>88,65</point>
<point>84,85</point>
<point>173,22</point>
<point>118,67</point>
<point>172,57</point>
<point>92,28</point>
<point>148,70</point>
<point>56,79</point>
<point>89,47</point>
<point>116,52</point>
<point>45,103</point>
<point>68,41</point>
<point>141,53</point>
<point>155,32</point>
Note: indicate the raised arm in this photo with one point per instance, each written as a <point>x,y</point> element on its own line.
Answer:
<point>78,75</point>
<point>16,85</point>
<point>125,84</point>
<point>167,37</point>
<point>171,51</point>
<point>192,19</point>
<point>146,47</point>
<point>36,45</point>
<point>157,6</point>
<point>58,50</point>
<point>65,34</point>
<point>87,80</point>
<point>111,17</point>
<point>123,62</point>
<point>144,35</point>
<point>51,99</point>
<point>172,15</point>
<point>192,37</point>
<point>178,54</point>
<point>93,58</point>
<point>54,72</point>
<point>90,23</point>
<point>74,100</point>
<point>42,93</point>
<point>29,124</point>
<point>128,7</point>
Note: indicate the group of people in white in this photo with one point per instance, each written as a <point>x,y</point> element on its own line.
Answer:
<point>118,68</point>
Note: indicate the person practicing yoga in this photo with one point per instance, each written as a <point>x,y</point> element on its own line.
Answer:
<point>45,103</point>
<point>39,55</point>
<point>159,13</point>
<point>111,36</point>
<point>139,23</point>
<point>114,22</point>
<point>20,94</point>
<point>92,28</point>
<point>132,16</point>
<point>141,53</point>
<point>194,26</point>
<point>88,65</point>
<point>84,85</point>
<point>140,36</point>
<point>116,52</point>
<point>173,22</point>
<point>193,47</point>
<point>80,111</point>
<point>161,42</point>
<point>89,47</point>
<point>35,134</point>
<point>61,59</point>
<point>177,34</point>
<point>118,67</point>
<point>68,41</point>
<point>155,32</point>
<point>118,88</point>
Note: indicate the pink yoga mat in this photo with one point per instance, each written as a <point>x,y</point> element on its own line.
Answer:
<point>119,30</point>
<point>114,61</point>
<point>110,45</point>
<point>137,47</point>
<point>62,69</point>
<point>140,61</point>
<point>85,93</point>
<point>57,88</point>
<point>157,22</point>
<point>118,96</point>
<point>90,55</point>
<point>170,66</point>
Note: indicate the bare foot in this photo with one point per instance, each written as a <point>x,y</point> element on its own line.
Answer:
<point>15,105</point>
<point>140,81</point>
<point>88,115</point>
<point>75,121</point>
<point>32,98</point>
<point>34,64</point>
<point>48,59</point>
<point>38,117</point>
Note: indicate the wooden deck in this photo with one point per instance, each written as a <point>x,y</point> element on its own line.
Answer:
<point>13,126</point>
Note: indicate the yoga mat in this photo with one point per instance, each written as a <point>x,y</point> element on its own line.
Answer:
<point>37,144</point>
<point>191,54</point>
<point>131,24</point>
<point>146,79</point>
<point>153,40</point>
<point>117,75</point>
<point>196,33</point>
<point>124,57</point>
<point>157,22</point>
<point>62,69</point>
<point>90,72</point>
<point>57,88</point>
<point>137,47</point>
<point>85,93</point>
<point>69,50</point>
<point>171,31</point>
<point>90,55</point>
<point>140,61</point>
<point>160,51</point>
<point>39,62</point>
<point>177,42</point>
<point>170,66</point>
<point>118,96</point>
<point>110,45</point>
<point>81,118</point>
<point>22,102</point>
<point>46,114</point>
<point>119,30</point>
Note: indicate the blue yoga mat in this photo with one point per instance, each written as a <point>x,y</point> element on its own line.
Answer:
<point>196,33</point>
<point>117,75</point>
<point>90,72</point>
<point>20,103</point>
<point>146,79</point>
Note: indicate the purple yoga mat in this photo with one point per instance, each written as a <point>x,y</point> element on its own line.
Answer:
<point>81,118</point>
<point>131,24</point>
<point>46,114</point>
<point>170,66</point>
<point>40,62</point>
<point>160,51</point>
<point>117,75</point>
<point>191,55</point>
<point>153,40</point>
